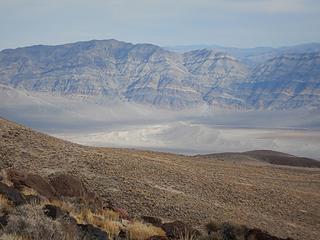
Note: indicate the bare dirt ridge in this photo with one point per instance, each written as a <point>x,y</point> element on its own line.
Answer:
<point>284,201</point>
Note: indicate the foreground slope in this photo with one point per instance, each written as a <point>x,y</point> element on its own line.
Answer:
<point>281,200</point>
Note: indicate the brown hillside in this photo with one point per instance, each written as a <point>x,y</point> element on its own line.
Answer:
<point>282,200</point>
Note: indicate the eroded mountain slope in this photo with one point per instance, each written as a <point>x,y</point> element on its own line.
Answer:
<point>151,75</point>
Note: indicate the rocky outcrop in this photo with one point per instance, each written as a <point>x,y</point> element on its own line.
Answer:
<point>33,181</point>
<point>12,194</point>
<point>67,186</point>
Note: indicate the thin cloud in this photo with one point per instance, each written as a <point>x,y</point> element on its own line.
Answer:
<point>269,6</point>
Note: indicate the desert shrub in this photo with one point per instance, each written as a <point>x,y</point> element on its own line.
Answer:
<point>11,237</point>
<point>140,231</point>
<point>30,222</point>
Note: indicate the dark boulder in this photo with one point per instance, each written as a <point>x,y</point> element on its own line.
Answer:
<point>3,221</point>
<point>12,194</point>
<point>178,229</point>
<point>33,181</point>
<point>53,212</point>
<point>67,186</point>
<point>155,221</point>
<point>228,231</point>
<point>91,232</point>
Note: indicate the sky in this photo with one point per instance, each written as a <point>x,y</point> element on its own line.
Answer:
<point>237,23</point>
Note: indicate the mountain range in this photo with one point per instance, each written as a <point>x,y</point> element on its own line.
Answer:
<point>262,78</point>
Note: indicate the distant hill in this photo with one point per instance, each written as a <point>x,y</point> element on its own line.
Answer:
<point>251,56</point>
<point>267,156</point>
<point>261,78</point>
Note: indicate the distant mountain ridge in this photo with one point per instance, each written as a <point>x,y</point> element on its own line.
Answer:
<point>149,74</point>
<point>251,56</point>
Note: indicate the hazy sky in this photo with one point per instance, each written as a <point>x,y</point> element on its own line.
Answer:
<point>241,23</point>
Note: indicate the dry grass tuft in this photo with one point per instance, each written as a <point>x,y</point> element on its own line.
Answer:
<point>111,227</point>
<point>108,214</point>
<point>187,235</point>
<point>105,219</point>
<point>29,191</point>
<point>5,203</point>
<point>140,231</point>
<point>5,178</point>
<point>85,216</point>
<point>65,206</point>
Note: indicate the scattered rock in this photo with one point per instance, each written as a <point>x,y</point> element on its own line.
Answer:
<point>92,232</point>
<point>155,221</point>
<point>12,194</point>
<point>67,186</point>
<point>178,229</point>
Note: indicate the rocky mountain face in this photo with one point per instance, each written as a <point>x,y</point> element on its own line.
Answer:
<point>285,82</point>
<point>148,74</point>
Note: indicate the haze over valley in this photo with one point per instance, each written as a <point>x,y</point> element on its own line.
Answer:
<point>112,93</point>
